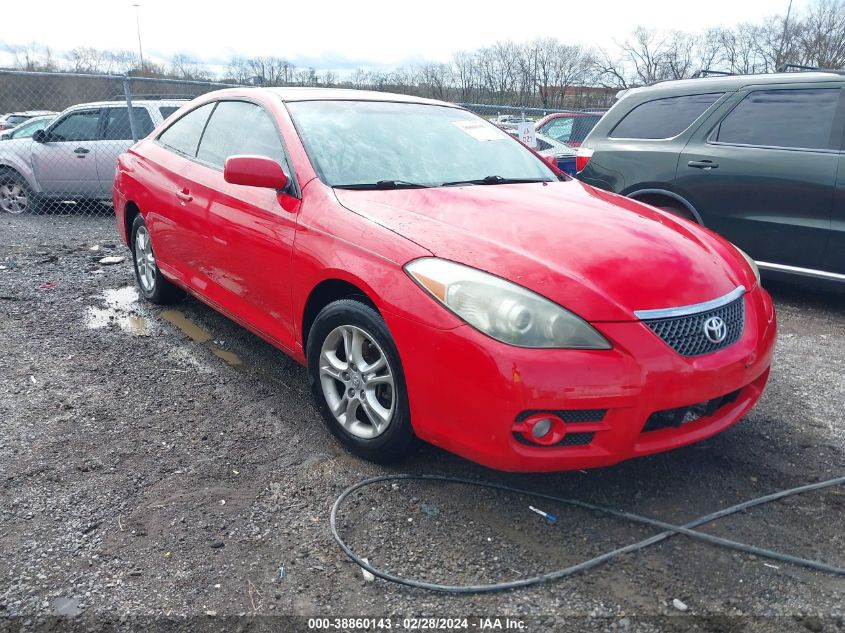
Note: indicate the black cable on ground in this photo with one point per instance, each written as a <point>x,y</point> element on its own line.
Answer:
<point>669,530</point>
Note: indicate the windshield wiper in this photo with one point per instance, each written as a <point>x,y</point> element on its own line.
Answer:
<point>384,184</point>
<point>492,180</point>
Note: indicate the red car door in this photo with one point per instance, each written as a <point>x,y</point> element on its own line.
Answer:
<point>179,228</point>
<point>248,231</point>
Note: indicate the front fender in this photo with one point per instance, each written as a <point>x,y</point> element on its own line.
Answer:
<point>11,160</point>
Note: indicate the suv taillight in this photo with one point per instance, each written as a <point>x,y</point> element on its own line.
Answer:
<point>582,157</point>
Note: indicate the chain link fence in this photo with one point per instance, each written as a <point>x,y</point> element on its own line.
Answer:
<point>61,133</point>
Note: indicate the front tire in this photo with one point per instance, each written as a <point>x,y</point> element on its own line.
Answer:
<point>151,282</point>
<point>357,382</point>
<point>15,195</point>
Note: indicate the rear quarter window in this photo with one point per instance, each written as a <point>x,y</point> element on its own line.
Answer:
<point>790,118</point>
<point>663,118</point>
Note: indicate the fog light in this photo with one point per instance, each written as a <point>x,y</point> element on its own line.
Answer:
<point>541,428</point>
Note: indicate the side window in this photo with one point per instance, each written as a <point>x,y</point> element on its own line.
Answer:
<point>238,127</point>
<point>663,118</point>
<point>77,126</point>
<point>117,126</point>
<point>783,118</point>
<point>184,135</point>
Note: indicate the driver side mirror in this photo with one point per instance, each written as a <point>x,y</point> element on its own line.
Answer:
<point>40,136</point>
<point>255,171</point>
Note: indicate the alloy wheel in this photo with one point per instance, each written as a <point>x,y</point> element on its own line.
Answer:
<point>13,198</point>
<point>145,260</point>
<point>357,382</point>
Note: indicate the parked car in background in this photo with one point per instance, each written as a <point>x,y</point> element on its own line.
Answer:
<point>549,147</point>
<point>75,156</point>
<point>13,119</point>
<point>460,292</point>
<point>757,158</point>
<point>510,118</point>
<point>27,128</point>
<point>568,127</point>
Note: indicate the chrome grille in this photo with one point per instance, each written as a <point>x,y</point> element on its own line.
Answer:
<point>685,334</point>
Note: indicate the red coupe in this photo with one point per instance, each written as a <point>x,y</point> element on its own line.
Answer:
<point>441,282</point>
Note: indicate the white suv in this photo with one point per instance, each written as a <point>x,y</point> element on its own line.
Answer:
<point>76,155</point>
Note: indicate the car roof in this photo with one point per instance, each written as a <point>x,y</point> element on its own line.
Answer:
<point>138,102</point>
<point>328,94</point>
<point>31,113</point>
<point>733,82</point>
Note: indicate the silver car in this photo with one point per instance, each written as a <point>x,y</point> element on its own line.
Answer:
<point>75,157</point>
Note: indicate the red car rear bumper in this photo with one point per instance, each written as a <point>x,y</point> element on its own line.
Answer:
<point>468,391</point>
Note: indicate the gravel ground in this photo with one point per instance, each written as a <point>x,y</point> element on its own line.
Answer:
<point>167,469</point>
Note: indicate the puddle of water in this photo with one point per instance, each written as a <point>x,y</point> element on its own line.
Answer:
<point>199,335</point>
<point>194,331</point>
<point>121,305</point>
<point>229,357</point>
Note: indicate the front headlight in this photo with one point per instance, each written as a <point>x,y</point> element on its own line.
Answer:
<point>751,263</point>
<point>503,310</point>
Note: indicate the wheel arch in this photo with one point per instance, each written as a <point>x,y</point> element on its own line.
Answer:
<point>328,290</point>
<point>130,211</point>
<point>654,196</point>
<point>6,166</point>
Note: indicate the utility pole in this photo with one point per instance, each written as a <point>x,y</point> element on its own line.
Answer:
<point>138,29</point>
<point>779,61</point>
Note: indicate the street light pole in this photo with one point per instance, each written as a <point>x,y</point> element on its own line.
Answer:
<point>138,29</point>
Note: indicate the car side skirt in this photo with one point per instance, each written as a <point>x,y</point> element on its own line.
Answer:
<point>805,272</point>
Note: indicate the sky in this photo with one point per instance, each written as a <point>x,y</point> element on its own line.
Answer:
<point>345,34</point>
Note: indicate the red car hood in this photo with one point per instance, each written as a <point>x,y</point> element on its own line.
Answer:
<point>600,255</point>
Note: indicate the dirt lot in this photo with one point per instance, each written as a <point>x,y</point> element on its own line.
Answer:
<point>168,468</point>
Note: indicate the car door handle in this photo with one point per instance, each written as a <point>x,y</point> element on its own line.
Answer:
<point>184,195</point>
<point>81,151</point>
<point>702,164</point>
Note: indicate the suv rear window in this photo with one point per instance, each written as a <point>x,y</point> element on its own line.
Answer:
<point>783,118</point>
<point>663,118</point>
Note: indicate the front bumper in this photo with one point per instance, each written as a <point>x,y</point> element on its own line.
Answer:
<point>467,391</point>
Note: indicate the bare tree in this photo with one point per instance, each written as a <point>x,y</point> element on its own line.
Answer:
<point>32,57</point>
<point>435,80</point>
<point>183,67</point>
<point>821,34</point>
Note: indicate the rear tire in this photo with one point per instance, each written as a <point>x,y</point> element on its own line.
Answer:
<point>357,382</point>
<point>151,283</point>
<point>16,197</point>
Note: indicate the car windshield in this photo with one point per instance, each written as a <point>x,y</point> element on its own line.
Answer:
<point>377,144</point>
<point>25,130</point>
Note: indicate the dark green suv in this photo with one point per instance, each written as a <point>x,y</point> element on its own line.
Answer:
<point>757,158</point>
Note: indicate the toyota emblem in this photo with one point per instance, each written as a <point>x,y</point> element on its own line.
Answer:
<point>715,329</point>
